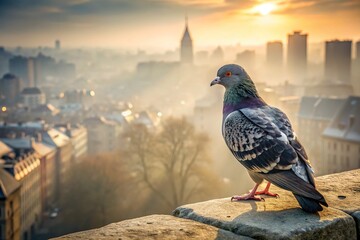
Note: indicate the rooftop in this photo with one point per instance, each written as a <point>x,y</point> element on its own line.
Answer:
<point>31,91</point>
<point>320,108</point>
<point>346,123</point>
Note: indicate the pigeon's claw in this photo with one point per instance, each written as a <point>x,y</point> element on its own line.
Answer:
<point>267,193</point>
<point>246,197</point>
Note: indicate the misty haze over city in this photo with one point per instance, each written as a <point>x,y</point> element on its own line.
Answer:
<point>106,109</point>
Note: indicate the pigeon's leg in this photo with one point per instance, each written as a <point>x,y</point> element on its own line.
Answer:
<point>266,191</point>
<point>249,196</point>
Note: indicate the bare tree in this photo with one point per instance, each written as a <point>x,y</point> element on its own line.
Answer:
<point>172,163</point>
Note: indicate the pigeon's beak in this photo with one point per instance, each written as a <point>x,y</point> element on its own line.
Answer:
<point>215,81</point>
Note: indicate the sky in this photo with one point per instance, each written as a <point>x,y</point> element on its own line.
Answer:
<point>159,24</point>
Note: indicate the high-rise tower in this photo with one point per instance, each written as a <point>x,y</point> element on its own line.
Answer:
<point>57,44</point>
<point>338,61</point>
<point>297,57</point>
<point>274,54</point>
<point>186,48</point>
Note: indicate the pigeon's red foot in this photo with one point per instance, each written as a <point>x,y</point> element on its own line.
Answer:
<point>246,197</point>
<point>267,193</point>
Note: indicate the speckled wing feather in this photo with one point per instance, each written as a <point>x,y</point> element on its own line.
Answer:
<point>283,123</point>
<point>257,142</point>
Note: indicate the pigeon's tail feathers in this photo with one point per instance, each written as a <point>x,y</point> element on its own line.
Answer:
<point>306,194</point>
<point>310,205</point>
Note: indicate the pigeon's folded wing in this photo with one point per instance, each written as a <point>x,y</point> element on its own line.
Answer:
<point>257,142</point>
<point>283,123</point>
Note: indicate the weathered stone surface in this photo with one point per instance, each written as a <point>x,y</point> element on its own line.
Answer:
<point>341,190</point>
<point>282,218</point>
<point>156,227</point>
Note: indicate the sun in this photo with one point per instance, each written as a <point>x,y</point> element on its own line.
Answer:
<point>264,8</point>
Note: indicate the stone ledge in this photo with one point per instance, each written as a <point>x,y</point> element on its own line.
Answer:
<point>282,218</point>
<point>275,218</point>
<point>156,227</point>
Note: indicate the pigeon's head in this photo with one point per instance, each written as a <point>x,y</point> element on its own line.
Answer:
<point>231,75</point>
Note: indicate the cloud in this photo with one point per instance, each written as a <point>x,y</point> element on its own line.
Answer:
<point>318,6</point>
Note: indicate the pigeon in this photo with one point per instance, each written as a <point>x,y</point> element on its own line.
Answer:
<point>262,139</point>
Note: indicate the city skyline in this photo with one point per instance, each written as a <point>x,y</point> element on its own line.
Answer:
<point>156,25</point>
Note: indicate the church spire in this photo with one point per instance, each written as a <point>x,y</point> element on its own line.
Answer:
<point>186,48</point>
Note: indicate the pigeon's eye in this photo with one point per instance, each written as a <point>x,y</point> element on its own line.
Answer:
<point>228,74</point>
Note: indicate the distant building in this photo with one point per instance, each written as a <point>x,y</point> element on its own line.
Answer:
<point>21,132</point>
<point>291,105</point>
<point>186,46</point>
<point>78,137</point>
<point>297,57</point>
<point>338,61</point>
<point>46,154</point>
<point>24,68</point>
<point>274,61</point>
<point>10,206</point>
<point>341,145</point>
<point>45,66</point>
<point>25,168</point>
<point>4,61</point>
<point>9,200</point>
<point>246,59</point>
<point>63,157</point>
<point>217,56</point>
<point>274,54</point>
<point>356,69</point>
<point>57,44</point>
<point>43,112</point>
<point>32,97</point>
<point>83,97</point>
<point>325,89</point>
<point>9,89</point>
<point>315,114</point>
<point>103,134</point>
